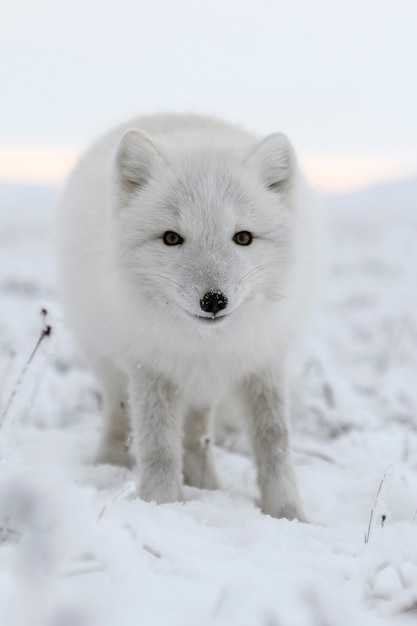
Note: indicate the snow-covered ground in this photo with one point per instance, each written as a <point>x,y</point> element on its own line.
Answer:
<point>76,549</point>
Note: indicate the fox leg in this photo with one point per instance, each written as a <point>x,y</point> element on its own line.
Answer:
<point>269,434</point>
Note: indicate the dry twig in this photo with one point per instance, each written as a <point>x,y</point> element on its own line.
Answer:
<point>45,332</point>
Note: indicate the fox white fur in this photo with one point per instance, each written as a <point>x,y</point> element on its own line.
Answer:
<point>135,303</point>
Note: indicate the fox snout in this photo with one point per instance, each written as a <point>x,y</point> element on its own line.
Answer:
<point>213,302</point>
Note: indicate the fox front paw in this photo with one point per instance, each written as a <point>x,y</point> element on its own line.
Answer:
<point>162,492</point>
<point>286,510</point>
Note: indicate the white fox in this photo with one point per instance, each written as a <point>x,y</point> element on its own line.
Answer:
<point>187,254</point>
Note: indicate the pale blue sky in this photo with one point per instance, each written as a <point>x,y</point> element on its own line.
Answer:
<point>338,77</point>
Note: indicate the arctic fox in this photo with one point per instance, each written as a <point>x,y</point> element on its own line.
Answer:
<point>187,250</point>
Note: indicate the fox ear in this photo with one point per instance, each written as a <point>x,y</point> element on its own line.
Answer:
<point>275,160</point>
<point>135,160</point>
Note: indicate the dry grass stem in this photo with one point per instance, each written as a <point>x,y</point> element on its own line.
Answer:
<point>371,516</point>
<point>45,332</point>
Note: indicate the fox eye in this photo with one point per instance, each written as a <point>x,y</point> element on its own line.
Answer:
<point>172,239</point>
<point>243,238</point>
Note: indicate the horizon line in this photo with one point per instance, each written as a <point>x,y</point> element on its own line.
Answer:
<point>327,172</point>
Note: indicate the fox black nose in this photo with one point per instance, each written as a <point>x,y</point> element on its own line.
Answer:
<point>213,302</point>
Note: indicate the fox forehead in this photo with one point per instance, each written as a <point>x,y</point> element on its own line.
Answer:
<point>206,180</point>
<point>215,191</point>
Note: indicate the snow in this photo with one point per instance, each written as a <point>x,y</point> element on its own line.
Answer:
<point>77,547</point>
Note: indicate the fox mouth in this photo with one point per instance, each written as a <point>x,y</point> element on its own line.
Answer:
<point>212,319</point>
<point>208,320</point>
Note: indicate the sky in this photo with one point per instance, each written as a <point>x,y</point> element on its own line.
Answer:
<point>337,77</point>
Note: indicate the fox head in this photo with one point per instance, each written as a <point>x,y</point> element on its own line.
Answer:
<point>207,226</point>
